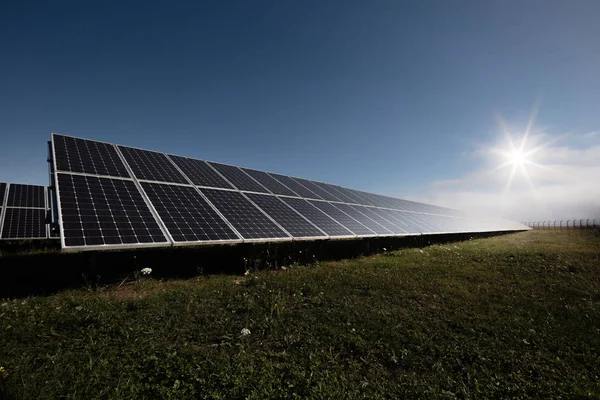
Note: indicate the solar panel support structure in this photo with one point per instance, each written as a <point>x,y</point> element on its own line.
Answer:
<point>187,178</point>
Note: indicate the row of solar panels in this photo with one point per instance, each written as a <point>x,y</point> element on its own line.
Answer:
<point>112,196</point>
<point>24,212</point>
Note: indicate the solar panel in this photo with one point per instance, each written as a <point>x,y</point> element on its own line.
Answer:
<point>380,219</point>
<point>396,217</point>
<point>117,196</point>
<point>350,223</point>
<point>324,222</point>
<point>200,173</point>
<point>248,220</point>
<point>363,219</point>
<point>337,193</point>
<point>315,188</point>
<point>2,192</point>
<point>102,211</point>
<point>151,166</point>
<point>300,190</point>
<point>28,196</point>
<point>24,223</point>
<point>287,217</point>
<point>87,156</point>
<point>269,182</point>
<point>238,178</point>
<point>186,214</point>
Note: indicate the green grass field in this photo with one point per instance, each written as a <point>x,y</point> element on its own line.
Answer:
<point>514,316</point>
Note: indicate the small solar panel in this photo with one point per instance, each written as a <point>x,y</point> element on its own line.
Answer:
<point>290,220</point>
<point>372,213</point>
<point>336,192</point>
<point>104,211</point>
<point>342,218</point>
<point>151,166</point>
<point>362,197</point>
<point>314,187</point>
<point>317,217</point>
<point>269,182</point>
<point>187,216</point>
<point>363,219</point>
<point>295,186</point>
<point>248,220</point>
<point>24,223</point>
<point>2,192</point>
<point>239,178</point>
<point>200,173</point>
<point>29,196</point>
<point>394,217</point>
<point>87,156</point>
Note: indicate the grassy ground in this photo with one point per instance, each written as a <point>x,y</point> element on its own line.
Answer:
<point>516,316</point>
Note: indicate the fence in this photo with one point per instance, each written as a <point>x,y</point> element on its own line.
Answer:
<point>586,223</point>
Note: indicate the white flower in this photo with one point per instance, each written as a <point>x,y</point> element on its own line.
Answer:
<point>245,332</point>
<point>146,271</point>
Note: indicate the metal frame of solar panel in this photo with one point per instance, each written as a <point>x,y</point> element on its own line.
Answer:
<point>197,202</point>
<point>26,209</point>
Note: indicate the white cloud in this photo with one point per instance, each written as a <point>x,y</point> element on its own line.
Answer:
<point>565,179</point>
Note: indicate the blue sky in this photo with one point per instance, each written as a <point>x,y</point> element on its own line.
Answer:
<point>387,96</point>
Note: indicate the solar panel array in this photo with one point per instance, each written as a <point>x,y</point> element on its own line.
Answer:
<point>23,210</point>
<point>113,196</point>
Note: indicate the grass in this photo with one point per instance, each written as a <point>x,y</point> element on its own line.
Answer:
<point>515,316</point>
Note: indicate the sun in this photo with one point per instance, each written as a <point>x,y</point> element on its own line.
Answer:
<point>517,157</point>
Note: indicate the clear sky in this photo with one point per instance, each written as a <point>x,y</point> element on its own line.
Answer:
<point>395,97</point>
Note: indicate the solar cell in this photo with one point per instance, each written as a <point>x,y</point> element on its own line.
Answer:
<point>24,223</point>
<point>342,218</point>
<point>238,178</point>
<point>317,217</point>
<point>30,196</point>
<point>200,173</point>
<point>290,220</point>
<point>370,212</point>
<point>87,156</point>
<point>269,182</point>
<point>314,187</point>
<point>104,211</point>
<point>186,214</point>
<point>363,219</point>
<point>248,220</point>
<point>151,166</point>
<point>295,186</point>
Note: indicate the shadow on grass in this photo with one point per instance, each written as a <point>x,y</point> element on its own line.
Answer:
<point>43,271</point>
